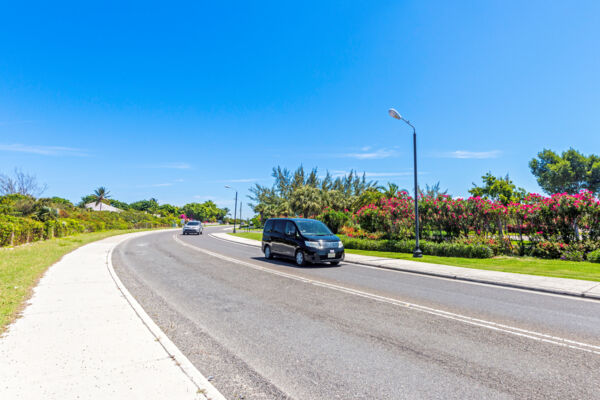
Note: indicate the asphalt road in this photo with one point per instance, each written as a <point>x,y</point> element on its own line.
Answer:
<point>267,329</point>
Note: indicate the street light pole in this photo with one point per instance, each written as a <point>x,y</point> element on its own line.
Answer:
<point>394,114</point>
<point>235,212</point>
<point>235,207</point>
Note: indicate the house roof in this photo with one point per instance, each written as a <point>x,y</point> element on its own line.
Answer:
<point>102,207</point>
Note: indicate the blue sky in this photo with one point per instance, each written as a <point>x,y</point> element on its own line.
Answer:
<point>175,101</point>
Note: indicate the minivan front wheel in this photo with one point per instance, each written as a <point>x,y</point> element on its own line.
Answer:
<point>300,259</point>
<point>268,254</point>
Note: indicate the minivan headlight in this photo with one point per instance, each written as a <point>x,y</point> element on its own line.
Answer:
<point>340,244</point>
<point>314,245</point>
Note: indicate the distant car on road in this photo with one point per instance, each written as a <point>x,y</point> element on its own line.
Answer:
<point>194,227</point>
<point>301,239</point>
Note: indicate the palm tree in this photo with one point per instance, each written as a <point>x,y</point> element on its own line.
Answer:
<point>100,195</point>
<point>391,190</point>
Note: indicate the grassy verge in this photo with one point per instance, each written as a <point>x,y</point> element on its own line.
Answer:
<point>521,265</point>
<point>21,267</point>
<point>248,235</point>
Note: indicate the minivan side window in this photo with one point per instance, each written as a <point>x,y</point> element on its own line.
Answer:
<point>290,228</point>
<point>278,226</point>
<point>269,226</point>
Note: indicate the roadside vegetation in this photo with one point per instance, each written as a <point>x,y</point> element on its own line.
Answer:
<point>21,267</point>
<point>498,219</point>
<point>26,217</point>
<point>35,232</point>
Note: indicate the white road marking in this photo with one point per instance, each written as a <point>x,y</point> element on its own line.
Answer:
<point>541,337</point>
<point>444,278</point>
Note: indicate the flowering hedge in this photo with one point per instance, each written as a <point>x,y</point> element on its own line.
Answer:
<point>559,226</point>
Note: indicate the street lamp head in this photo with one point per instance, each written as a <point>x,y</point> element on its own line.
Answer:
<point>394,114</point>
<point>228,187</point>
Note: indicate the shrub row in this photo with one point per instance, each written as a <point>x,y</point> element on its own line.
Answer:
<point>428,248</point>
<point>19,230</point>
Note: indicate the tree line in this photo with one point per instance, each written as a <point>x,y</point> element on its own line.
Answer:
<point>306,193</point>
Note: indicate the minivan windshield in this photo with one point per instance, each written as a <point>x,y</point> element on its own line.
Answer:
<point>193,223</point>
<point>313,228</point>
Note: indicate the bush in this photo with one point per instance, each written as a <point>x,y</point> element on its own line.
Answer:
<point>572,255</point>
<point>334,219</point>
<point>547,249</point>
<point>429,248</point>
<point>594,256</point>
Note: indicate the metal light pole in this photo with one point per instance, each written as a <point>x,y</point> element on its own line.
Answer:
<point>394,114</point>
<point>235,207</point>
<point>240,214</point>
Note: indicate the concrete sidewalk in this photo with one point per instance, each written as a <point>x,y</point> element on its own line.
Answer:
<point>572,287</point>
<point>84,337</point>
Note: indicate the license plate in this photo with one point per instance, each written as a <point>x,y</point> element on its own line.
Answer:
<point>331,255</point>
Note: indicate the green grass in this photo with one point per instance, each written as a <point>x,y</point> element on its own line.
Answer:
<point>21,267</point>
<point>521,265</point>
<point>248,235</point>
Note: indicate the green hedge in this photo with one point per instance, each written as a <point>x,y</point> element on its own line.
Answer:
<point>20,230</point>
<point>428,248</point>
<point>594,256</point>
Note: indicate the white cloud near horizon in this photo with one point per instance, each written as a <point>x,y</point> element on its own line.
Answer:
<point>338,174</point>
<point>44,150</point>
<point>242,180</point>
<point>172,165</point>
<point>366,154</point>
<point>464,154</point>
<point>155,185</point>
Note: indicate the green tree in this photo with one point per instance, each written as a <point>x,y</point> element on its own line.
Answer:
<point>569,172</point>
<point>498,189</point>
<point>101,195</point>
<point>168,209</point>
<point>370,196</point>
<point>391,190</point>
<point>150,206</point>
<point>118,204</point>
<point>433,191</point>
<point>306,201</point>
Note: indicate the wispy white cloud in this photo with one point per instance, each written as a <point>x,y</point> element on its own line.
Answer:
<point>43,150</point>
<point>241,180</point>
<point>337,174</point>
<point>171,165</point>
<point>464,154</point>
<point>386,174</point>
<point>151,185</point>
<point>367,154</point>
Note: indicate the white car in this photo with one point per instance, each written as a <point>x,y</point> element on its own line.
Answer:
<point>194,227</point>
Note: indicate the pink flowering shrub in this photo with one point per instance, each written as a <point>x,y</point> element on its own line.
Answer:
<point>548,221</point>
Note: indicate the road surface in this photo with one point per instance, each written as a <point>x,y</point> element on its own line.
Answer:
<point>263,329</point>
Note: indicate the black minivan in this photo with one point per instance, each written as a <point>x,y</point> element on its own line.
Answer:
<point>301,239</point>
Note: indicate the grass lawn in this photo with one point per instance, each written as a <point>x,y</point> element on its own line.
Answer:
<point>522,265</point>
<point>249,235</point>
<point>21,267</point>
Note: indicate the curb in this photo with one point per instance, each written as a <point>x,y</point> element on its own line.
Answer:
<point>204,386</point>
<point>565,292</point>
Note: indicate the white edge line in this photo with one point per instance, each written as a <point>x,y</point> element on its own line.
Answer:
<point>204,386</point>
<point>541,337</point>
